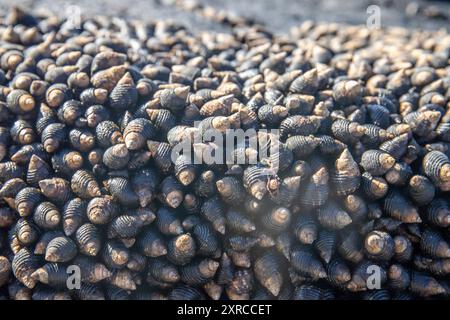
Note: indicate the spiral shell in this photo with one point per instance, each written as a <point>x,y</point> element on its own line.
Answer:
<point>433,244</point>
<point>23,266</point>
<point>302,146</point>
<point>70,111</point>
<point>93,96</point>
<point>185,170</point>
<point>24,154</point>
<point>425,285</point>
<point>347,131</point>
<point>305,263</point>
<point>198,272</point>
<point>107,134</point>
<point>20,101</point>
<point>269,274</point>
<point>436,166</point>
<point>57,94</point>
<point>400,208</point>
<point>151,243</point>
<point>67,162</point>
<point>206,239</point>
<point>306,83</point>
<point>115,254</point>
<point>299,125</point>
<point>181,249</point>
<point>38,171</point>
<point>396,147</point>
<point>101,210</point>
<point>10,170</point>
<point>338,273</point>
<point>47,216</point>
<point>161,153</point>
<point>52,274</point>
<point>81,139</point>
<point>168,222</point>
<point>173,99</point>
<point>162,119</point>
<point>238,222</point>
<point>346,175</point>
<point>26,232</point>
<point>316,192</point>
<point>88,239</point>
<point>53,136</point>
<point>60,249</point>
<point>171,192</point>
<point>56,189</point>
<point>376,162</point>
<point>230,190</point>
<point>22,132</point>
<point>137,132</point>
<point>83,184</point>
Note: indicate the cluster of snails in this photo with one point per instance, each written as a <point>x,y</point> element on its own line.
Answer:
<point>357,187</point>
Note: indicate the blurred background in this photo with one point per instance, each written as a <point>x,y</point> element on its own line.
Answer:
<point>277,15</point>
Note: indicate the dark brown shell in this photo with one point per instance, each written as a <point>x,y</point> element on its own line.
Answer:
<point>316,191</point>
<point>107,134</point>
<point>116,157</point>
<point>10,170</point>
<point>207,240</point>
<point>399,207</point>
<point>73,215</point>
<point>5,270</point>
<point>181,249</point>
<point>434,244</point>
<point>7,217</point>
<point>115,254</point>
<point>269,273</point>
<point>38,170</point>
<point>171,192</point>
<point>54,136</point>
<point>151,243</point>
<point>23,266</point>
<point>162,270</point>
<point>52,274</point>
<point>67,161</point>
<point>436,166</point>
<point>379,245</point>
<point>47,216</point>
<point>56,189</point>
<point>326,244</point>
<point>88,239</point>
<point>22,132</point>
<point>20,101</point>
<point>305,263</point>
<point>137,132</point>
<point>198,272</point>
<point>26,232</point>
<point>24,154</point>
<point>300,125</point>
<point>168,222</point>
<point>60,249</point>
<point>101,210</point>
